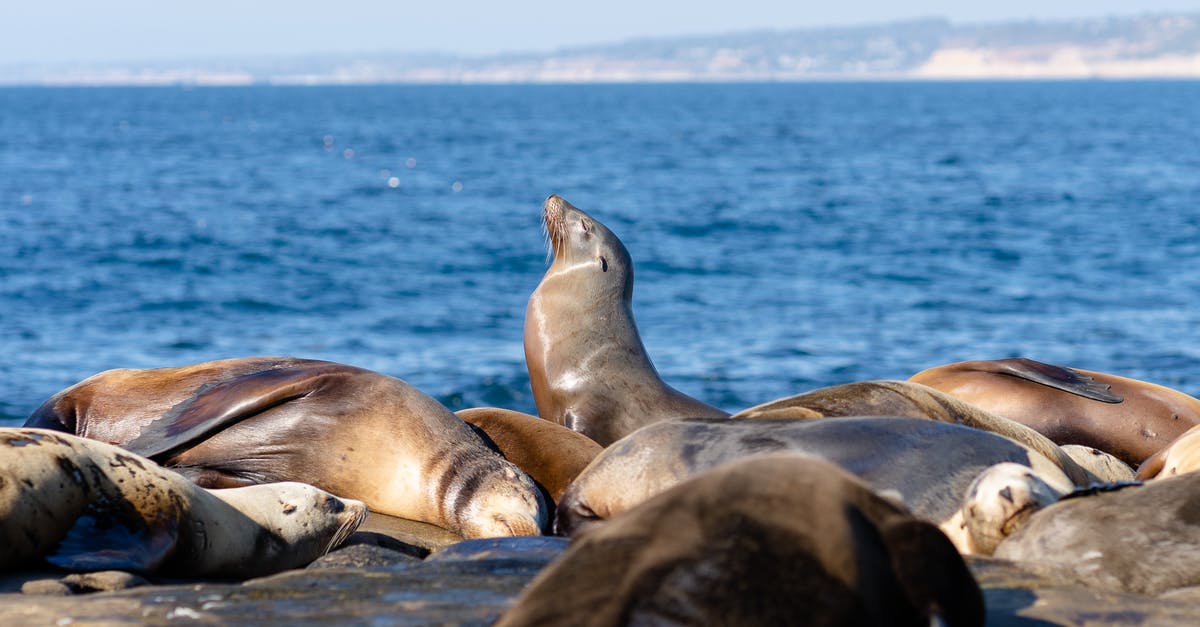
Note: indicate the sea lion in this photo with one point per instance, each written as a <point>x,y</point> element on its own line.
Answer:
<point>1180,456</point>
<point>87,505</point>
<point>587,366</point>
<point>777,539</point>
<point>1141,538</point>
<point>347,430</point>
<point>1128,418</point>
<point>927,464</point>
<point>552,455</point>
<point>1106,468</point>
<point>1000,500</point>
<point>903,398</point>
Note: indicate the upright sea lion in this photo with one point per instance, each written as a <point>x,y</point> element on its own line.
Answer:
<point>587,365</point>
<point>927,464</point>
<point>903,398</point>
<point>347,430</point>
<point>1180,456</point>
<point>1142,538</point>
<point>87,505</point>
<point>552,455</point>
<point>779,539</point>
<point>1128,418</point>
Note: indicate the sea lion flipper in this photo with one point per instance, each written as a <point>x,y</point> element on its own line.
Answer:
<point>1057,377</point>
<point>932,572</point>
<point>101,540</point>
<point>218,405</point>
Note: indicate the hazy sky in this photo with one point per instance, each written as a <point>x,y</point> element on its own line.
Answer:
<point>103,30</point>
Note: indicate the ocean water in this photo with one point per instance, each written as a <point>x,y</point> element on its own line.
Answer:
<point>785,236</point>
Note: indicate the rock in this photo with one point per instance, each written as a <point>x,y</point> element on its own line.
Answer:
<point>363,556</point>
<point>84,583</point>
<point>47,587</point>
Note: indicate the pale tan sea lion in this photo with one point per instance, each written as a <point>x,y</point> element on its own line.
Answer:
<point>1180,456</point>
<point>1000,500</point>
<point>903,398</point>
<point>587,366</point>
<point>350,431</point>
<point>1106,468</point>
<point>1128,418</point>
<point>551,454</point>
<point>778,539</point>
<point>87,505</point>
<point>1141,538</point>
<point>926,464</point>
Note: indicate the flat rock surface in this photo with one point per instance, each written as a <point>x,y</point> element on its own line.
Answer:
<point>378,581</point>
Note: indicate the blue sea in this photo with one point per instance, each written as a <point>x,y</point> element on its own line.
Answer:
<point>785,236</point>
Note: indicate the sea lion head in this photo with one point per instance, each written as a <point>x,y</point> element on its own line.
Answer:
<point>1001,500</point>
<point>506,502</point>
<point>582,244</point>
<point>306,522</point>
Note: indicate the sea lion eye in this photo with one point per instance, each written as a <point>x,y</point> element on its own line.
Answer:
<point>603,264</point>
<point>587,228</point>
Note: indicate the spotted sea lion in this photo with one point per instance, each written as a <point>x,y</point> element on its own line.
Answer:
<point>87,505</point>
<point>903,398</point>
<point>587,366</point>
<point>550,454</point>
<point>927,464</point>
<point>1140,538</point>
<point>1128,418</point>
<point>777,539</point>
<point>1180,456</point>
<point>350,431</point>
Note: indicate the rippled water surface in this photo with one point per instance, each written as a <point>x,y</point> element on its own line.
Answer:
<point>785,236</point>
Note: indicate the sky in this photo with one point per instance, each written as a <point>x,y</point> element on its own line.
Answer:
<point>57,31</point>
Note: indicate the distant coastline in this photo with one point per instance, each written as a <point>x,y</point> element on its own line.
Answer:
<point>1151,46</point>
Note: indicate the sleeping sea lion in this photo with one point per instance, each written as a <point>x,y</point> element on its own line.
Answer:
<point>776,539</point>
<point>587,366</point>
<point>87,505</point>
<point>1128,418</point>
<point>903,398</point>
<point>927,464</point>
<point>1142,538</point>
<point>350,431</point>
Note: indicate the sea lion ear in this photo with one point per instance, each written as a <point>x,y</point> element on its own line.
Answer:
<point>603,264</point>
<point>932,573</point>
<point>102,540</point>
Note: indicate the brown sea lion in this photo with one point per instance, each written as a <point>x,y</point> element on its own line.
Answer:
<point>1180,456</point>
<point>1141,538</point>
<point>552,455</point>
<point>779,539</point>
<point>926,464</point>
<point>350,431</point>
<point>87,505</point>
<point>1127,418</point>
<point>587,365</point>
<point>903,398</point>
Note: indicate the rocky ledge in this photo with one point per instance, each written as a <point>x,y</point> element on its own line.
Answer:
<point>398,572</point>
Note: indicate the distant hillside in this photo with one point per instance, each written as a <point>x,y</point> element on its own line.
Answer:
<point>1148,46</point>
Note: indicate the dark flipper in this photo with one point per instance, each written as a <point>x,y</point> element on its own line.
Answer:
<point>108,538</point>
<point>217,406</point>
<point>1057,377</point>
